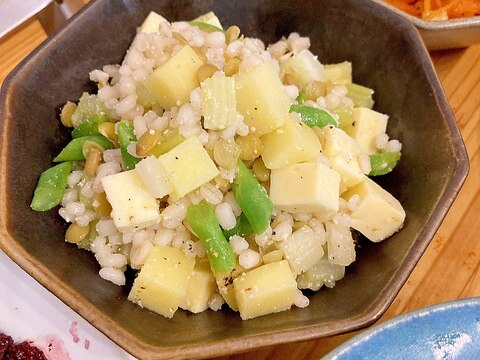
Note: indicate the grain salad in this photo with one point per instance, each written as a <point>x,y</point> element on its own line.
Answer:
<point>227,173</point>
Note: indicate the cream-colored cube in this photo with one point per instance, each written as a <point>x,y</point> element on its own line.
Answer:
<point>348,168</point>
<point>133,206</point>
<point>154,177</point>
<point>187,167</point>
<point>292,143</point>
<point>261,99</point>
<point>171,83</point>
<point>163,281</point>
<point>366,125</point>
<point>302,249</point>
<point>379,214</point>
<point>151,23</point>
<point>343,153</point>
<point>266,289</point>
<point>200,289</point>
<point>305,187</point>
<point>304,67</point>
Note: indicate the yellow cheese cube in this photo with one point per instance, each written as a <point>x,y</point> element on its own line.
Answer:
<point>343,153</point>
<point>294,142</point>
<point>348,168</point>
<point>266,289</point>
<point>151,23</point>
<point>163,281</point>
<point>133,206</point>
<point>187,167</point>
<point>200,289</point>
<point>302,249</point>
<point>261,99</point>
<point>366,125</point>
<point>171,83</point>
<point>153,175</point>
<point>379,214</point>
<point>305,187</point>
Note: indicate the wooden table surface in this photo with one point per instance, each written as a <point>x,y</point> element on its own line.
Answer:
<point>450,268</point>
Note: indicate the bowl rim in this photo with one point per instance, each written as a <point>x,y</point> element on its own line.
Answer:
<point>139,348</point>
<point>452,24</point>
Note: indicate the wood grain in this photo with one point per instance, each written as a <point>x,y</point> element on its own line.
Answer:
<point>449,269</point>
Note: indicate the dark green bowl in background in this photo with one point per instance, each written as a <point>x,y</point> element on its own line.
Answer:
<point>387,55</point>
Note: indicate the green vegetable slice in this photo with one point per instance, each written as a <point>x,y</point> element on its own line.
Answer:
<point>242,228</point>
<point>312,116</point>
<point>360,95</point>
<point>302,97</point>
<point>252,199</point>
<point>73,150</point>
<point>89,126</point>
<point>383,163</point>
<point>202,220</point>
<point>205,26</point>
<point>126,135</point>
<point>51,187</point>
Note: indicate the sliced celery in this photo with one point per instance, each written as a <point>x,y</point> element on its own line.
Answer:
<point>360,95</point>
<point>219,105</point>
<point>339,74</point>
<point>344,113</point>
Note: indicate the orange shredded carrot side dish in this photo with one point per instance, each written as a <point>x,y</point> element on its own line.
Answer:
<point>438,9</point>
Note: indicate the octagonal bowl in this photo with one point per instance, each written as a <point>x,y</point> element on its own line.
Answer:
<point>387,55</point>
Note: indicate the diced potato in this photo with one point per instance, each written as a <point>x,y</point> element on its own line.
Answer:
<point>133,206</point>
<point>339,74</point>
<point>365,127</point>
<point>294,142</point>
<point>154,177</point>
<point>171,83</point>
<point>322,273</point>
<point>379,215</point>
<point>266,289</point>
<point>340,245</point>
<point>305,187</point>
<point>210,18</point>
<point>302,249</point>
<point>219,105</point>
<point>225,285</point>
<point>151,23</point>
<point>190,157</point>
<point>261,99</point>
<point>163,281</point>
<point>200,289</point>
<point>304,67</point>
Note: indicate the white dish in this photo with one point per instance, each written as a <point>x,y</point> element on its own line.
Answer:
<point>15,12</point>
<point>30,312</point>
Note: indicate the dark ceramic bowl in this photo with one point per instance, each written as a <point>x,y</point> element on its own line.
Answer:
<point>387,55</point>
